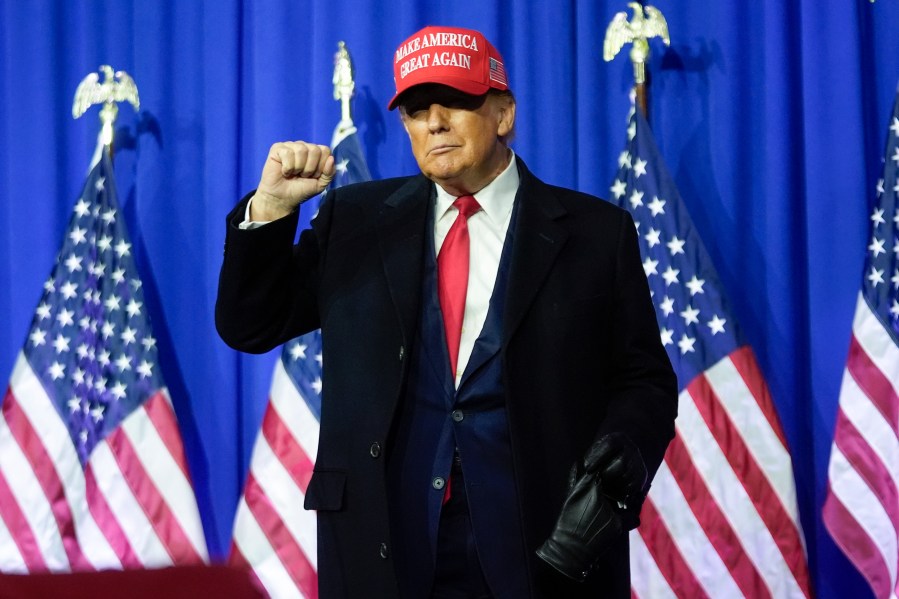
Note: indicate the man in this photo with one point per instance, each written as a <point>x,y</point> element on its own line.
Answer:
<point>485,337</point>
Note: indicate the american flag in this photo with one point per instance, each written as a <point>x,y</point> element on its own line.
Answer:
<point>862,506</point>
<point>721,519</point>
<point>92,468</point>
<point>273,535</point>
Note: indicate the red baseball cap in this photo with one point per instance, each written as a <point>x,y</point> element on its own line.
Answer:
<point>460,58</point>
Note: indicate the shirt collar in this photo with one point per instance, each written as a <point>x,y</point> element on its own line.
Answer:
<point>496,198</point>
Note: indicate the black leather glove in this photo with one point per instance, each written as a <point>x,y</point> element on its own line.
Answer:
<point>619,464</point>
<point>587,525</point>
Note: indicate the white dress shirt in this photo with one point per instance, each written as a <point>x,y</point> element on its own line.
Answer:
<point>487,232</point>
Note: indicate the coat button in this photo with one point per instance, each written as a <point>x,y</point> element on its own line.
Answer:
<point>402,352</point>
<point>458,415</point>
<point>382,551</point>
<point>375,449</point>
<point>438,482</point>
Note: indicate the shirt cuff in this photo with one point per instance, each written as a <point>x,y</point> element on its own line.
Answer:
<point>251,224</point>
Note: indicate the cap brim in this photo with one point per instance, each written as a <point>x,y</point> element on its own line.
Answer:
<point>466,86</point>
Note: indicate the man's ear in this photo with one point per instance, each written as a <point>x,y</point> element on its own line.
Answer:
<point>506,117</point>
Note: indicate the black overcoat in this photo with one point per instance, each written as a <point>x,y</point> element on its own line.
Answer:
<point>581,355</point>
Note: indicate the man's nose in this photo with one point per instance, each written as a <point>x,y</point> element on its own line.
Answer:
<point>437,118</point>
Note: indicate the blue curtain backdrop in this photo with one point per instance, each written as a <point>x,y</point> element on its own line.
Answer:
<point>772,116</point>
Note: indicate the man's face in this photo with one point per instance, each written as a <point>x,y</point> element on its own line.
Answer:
<point>456,137</point>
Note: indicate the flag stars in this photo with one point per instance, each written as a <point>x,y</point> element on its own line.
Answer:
<point>341,167</point>
<point>639,168</point>
<point>875,276</point>
<point>895,279</point>
<point>50,286</point>
<point>716,325</point>
<point>118,390</point>
<point>97,413</point>
<point>122,249</point>
<point>652,238</point>
<point>108,216</point>
<point>649,266</point>
<point>118,276</point>
<point>690,315</point>
<point>877,246</point>
<point>64,318</point>
<point>667,305</point>
<point>686,344</point>
<point>695,285</point>
<point>636,199</point>
<point>123,363</point>
<point>624,160</point>
<point>148,342</point>
<point>894,309</point>
<point>38,337</point>
<point>101,181</point>
<point>103,358</point>
<point>112,303</point>
<point>81,208</point>
<point>895,157</point>
<point>667,336</point>
<point>317,386</point>
<point>129,336</point>
<point>78,235</point>
<point>43,311</point>
<point>657,206</point>
<point>676,246</point>
<point>57,371</point>
<point>670,275</point>
<point>69,290</point>
<point>74,405</point>
<point>108,329</point>
<point>61,344</point>
<point>877,216</point>
<point>894,126</point>
<point>133,308</point>
<point>104,243</point>
<point>619,188</point>
<point>145,369</point>
<point>298,351</point>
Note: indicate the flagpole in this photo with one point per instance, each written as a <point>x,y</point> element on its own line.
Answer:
<point>117,87</point>
<point>647,22</point>
<point>344,88</point>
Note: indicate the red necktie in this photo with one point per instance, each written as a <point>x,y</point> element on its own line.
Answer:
<point>452,284</point>
<point>452,276</point>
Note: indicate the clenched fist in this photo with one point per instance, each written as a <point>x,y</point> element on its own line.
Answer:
<point>294,172</point>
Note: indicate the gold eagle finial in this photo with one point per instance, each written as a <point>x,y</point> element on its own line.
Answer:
<point>641,28</point>
<point>117,86</point>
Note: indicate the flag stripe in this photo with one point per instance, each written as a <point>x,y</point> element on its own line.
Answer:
<point>859,525</point>
<point>688,536</point>
<point>106,520</point>
<point>757,487</point>
<point>716,526</point>
<point>873,383</point>
<point>251,543</point>
<point>294,411</point>
<point>148,480</point>
<point>744,361</point>
<point>19,528</point>
<point>42,418</point>
<point>282,444</point>
<point>165,424</point>
<point>34,451</point>
<point>665,561</point>
<point>11,559</point>
<point>301,571</point>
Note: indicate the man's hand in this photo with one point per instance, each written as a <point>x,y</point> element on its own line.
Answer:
<point>620,467</point>
<point>586,527</point>
<point>294,172</point>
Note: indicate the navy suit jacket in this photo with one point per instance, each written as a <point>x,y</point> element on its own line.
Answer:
<point>581,355</point>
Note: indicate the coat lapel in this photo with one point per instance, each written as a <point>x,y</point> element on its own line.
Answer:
<point>401,230</point>
<point>538,240</point>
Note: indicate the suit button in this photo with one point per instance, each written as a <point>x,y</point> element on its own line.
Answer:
<point>438,482</point>
<point>402,352</point>
<point>458,415</point>
<point>375,449</point>
<point>382,551</point>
